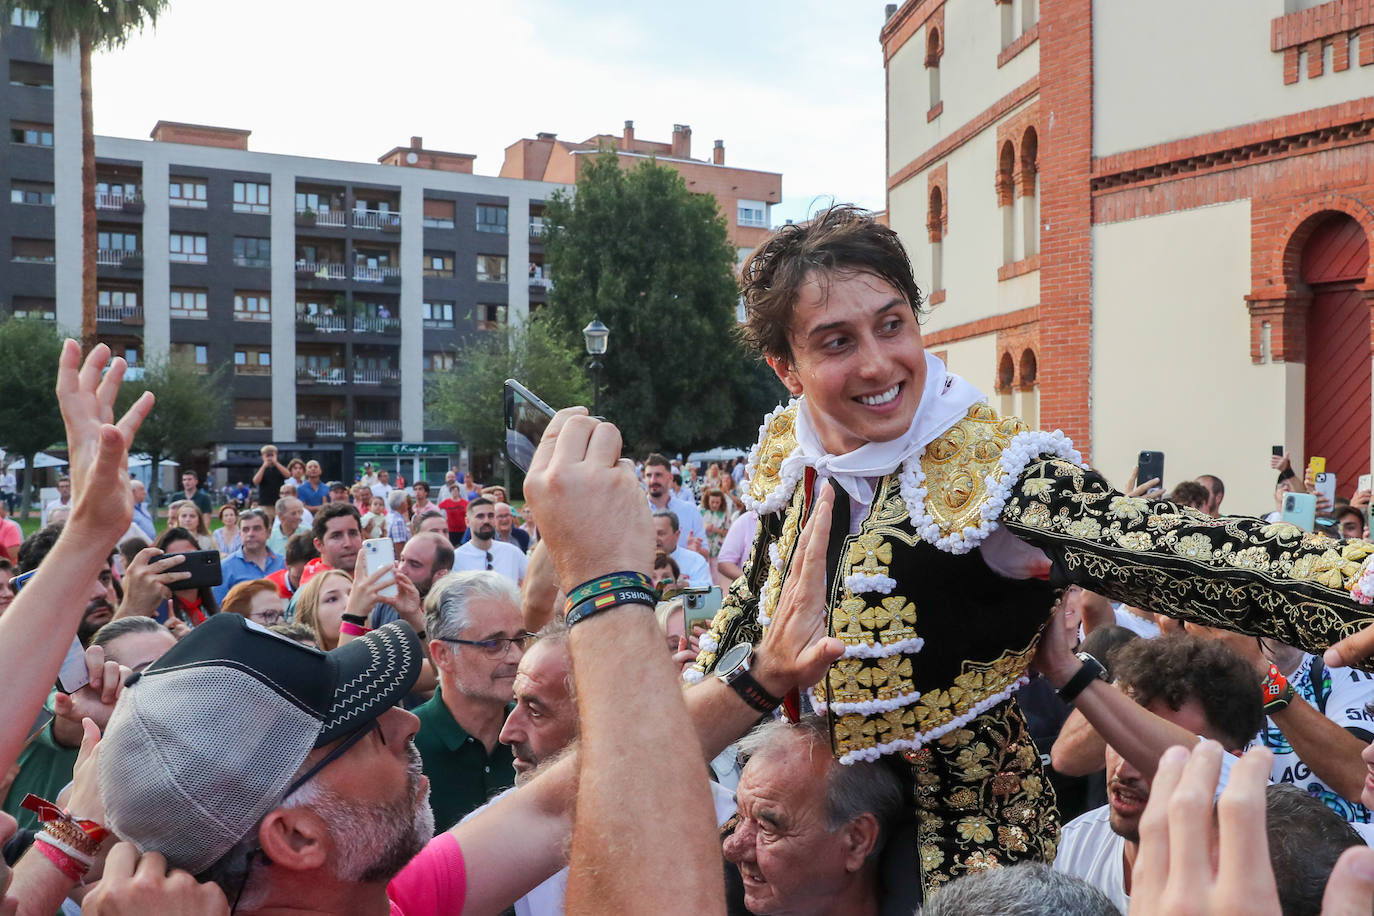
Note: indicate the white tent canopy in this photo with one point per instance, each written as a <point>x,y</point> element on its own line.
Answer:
<point>142,461</point>
<point>41,460</point>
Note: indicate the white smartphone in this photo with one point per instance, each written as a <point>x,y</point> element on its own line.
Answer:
<point>381,554</point>
<point>1364,482</point>
<point>73,675</point>
<point>1299,509</point>
<point>1324,484</point>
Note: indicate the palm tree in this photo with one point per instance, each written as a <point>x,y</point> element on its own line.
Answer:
<point>87,25</point>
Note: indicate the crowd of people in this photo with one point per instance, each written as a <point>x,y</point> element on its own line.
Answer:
<point>894,710</point>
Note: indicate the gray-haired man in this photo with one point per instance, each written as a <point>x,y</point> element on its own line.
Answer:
<point>476,637</point>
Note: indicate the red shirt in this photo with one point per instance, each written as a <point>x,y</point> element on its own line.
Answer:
<point>457,512</point>
<point>279,579</point>
<point>316,565</point>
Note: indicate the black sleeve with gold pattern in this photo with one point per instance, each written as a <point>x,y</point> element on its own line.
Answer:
<point>1236,573</point>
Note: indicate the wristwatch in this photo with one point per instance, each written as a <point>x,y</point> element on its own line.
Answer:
<point>356,619</point>
<point>733,669</point>
<point>1092,670</point>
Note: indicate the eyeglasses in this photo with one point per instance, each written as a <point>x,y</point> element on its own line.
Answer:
<point>488,561</point>
<point>496,645</point>
<point>268,618</point>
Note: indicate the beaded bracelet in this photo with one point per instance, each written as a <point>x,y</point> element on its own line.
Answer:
<point>592,606</point>
<point>82,832</point>
<point>604,584</point>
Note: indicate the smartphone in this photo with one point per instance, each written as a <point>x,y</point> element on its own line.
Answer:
<point>526,419</point>
<point>1364,482</point>
<point>203,565</point>
<point>380,553</point>
<point>1324,484</point>
<point>1150,466</point>
<point>1318,465</point>
<point>1278,451</point>
<point>699,605</point>
<point>72,676</point>
<point>1299,509</point>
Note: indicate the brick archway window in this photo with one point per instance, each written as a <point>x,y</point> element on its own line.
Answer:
<point>935,224</point>
<point>934,49</point>
<point>1029,180</point>
<point>1006,373</point>
<point>1028,369</point>
<point>1006,199</point>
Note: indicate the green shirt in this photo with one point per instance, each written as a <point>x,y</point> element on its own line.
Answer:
<point>45,768</point>
<point>462,775</point>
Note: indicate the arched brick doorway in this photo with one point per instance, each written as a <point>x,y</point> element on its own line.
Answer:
<point>1334,262</point>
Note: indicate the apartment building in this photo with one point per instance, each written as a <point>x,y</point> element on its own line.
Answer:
<point>329,288</point>
<point>746,196</point>
<point>1147,224</point>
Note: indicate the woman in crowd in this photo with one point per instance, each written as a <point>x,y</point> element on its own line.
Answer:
<point>373,522</point>
<point>185,514</point>
<point>189,605</point>
<point>227,534</point>
<point>258,600</point>
<point>321,604</point>
<point>727,486</point>
<point>715,512</point>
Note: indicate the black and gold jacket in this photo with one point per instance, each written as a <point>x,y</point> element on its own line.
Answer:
<point>936,641</point>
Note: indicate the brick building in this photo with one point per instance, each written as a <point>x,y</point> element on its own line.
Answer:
<point>330,288</point>
<point>746,196</point>
<point>1140,223</point>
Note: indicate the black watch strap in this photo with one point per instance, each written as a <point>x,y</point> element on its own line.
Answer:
<point>1092,670</point>
<point>355,619</point>
<point>752,692</point>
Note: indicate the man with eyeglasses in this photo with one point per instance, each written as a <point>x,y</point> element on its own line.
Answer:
<point>483,552</point>
<point>477,637</point>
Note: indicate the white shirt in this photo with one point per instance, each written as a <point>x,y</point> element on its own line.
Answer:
<point>55,504</point>
<point>689,519</point>
<point>693,566</point>
<point>381,489</point>
<point>1091,850</point>
<point>509,560</point>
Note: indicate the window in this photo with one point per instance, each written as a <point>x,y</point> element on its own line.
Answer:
<point>186,249</point>
<point>438,264</point>
<point>491,219</point>
<point>437,362</point>
<point>124,242</point>
<point>252,197</point>
<point>191,354</point>
<point>491,317</point>
<point>438,214</point>
<point>115,192</point>
<point>934,49</point>
<point>252,307</point>
<point>753,213</point>
<point>31,133</point>
<point>26,19</point>
<point>437,314</point>
<point>125,300</point>
<point>34,307</point>
<point>935,225</point>
<point>187,192</point>
<point>31,192</point>
<point>28,73</point>
<point>252,413</point>
<point>33,251</point>
<point>1030,184</point>
<point>188,302</point>
<point>491,267</point>
<point>251,252</point>
<point>253,361</point>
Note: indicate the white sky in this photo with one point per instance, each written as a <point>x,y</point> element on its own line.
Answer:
<point>794,87</point>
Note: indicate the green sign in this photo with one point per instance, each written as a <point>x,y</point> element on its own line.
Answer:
<point>390,449</point>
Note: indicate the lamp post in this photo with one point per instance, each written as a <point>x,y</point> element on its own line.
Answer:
<point>595,335</point>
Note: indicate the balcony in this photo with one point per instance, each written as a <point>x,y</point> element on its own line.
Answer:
<point>381,220</point>
<point>320,270</point>
<point>327,323</point>
<point>371,324</point>
<point>119,257</point>
<point>334,219</point>
<point>538,230</point>
<point>120,202</point>
<point>320,375</point>
<point>251,369</point>
<point>376,429</point>
<point>124,314</point>
<point>376,376</point>
<point>321,427</point>
<point>365,274</point>
<point>544,283</point>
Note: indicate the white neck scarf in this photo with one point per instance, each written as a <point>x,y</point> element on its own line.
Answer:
<point>945,399</point>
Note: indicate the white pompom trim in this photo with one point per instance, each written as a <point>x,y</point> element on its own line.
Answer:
<point>869,582</point>
<point>787,481</point>
<point>870,707</point>
<point>1364,586</point>
<point>692,676</point>
<point>708,643</point>
<point>901,745</point>
<point>877,650</point>
<point>1022,450</point>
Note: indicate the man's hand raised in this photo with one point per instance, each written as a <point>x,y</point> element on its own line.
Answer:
<point>592,512</point>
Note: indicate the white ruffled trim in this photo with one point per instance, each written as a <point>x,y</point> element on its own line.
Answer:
<point>874,707</point>
<point>786,481</point>
<point>1022,450</point>
<point>912,744</point>
<point>869,582</point>
<point>708,643</point>
<point>1364,586</point>
<point>774,555</point>
<point>817,703</point>
<point>692,676</point>
<point>775,559</point>
<point>878,650</point>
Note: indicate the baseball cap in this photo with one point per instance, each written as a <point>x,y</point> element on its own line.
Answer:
<point>204,742</point>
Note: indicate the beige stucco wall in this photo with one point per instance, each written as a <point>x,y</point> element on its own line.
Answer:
<point>976,360</point>
<point>1172,69</point>
<point>970,80</point>
<point>1171,366</point>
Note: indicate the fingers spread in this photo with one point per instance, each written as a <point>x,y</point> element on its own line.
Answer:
<point>91,370</point>
<point>133,418</point>
<point>68,367</point>
<point>108,389</point>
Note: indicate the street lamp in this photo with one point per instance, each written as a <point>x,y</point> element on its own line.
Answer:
<point>595,335</point>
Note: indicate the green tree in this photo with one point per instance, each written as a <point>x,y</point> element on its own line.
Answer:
<point>30,420</point>
<point>189,411</point>
<point>468,399</point>
<point>651,259</point>
<point>85,26</point>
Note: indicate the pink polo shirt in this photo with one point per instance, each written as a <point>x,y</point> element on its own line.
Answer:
<point>435,881</point>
